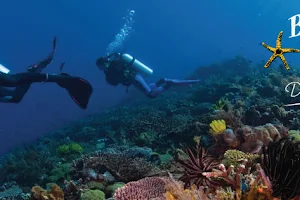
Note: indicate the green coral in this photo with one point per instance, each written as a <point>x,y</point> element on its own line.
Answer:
<point>295,135</point>
<point>75,147</point>
<point>95,185</point>
<point>93,195</point>
<point>72,148</point>
<point>112,188</point>
<point>63,149</point>
<point>60,173</point>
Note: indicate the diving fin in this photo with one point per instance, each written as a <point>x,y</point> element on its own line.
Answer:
<point>79,89</point>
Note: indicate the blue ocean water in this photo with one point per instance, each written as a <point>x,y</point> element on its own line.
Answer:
<point>173,37</point>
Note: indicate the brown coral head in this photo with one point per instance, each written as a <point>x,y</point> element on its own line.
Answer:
<point>55,193</point>
<point>195,165</point>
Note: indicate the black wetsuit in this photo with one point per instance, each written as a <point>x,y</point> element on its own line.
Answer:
<point>79,89</point>
<point>119,72</point>
<point>22,81</point>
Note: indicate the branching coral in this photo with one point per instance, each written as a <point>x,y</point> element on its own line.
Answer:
<point>238,177</point>
<point>10,191</point>
<point>231,178</point>
<point>176,191</point>
<point>195,165</point>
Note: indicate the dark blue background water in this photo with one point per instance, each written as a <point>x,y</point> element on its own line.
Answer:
<point>171,36</point>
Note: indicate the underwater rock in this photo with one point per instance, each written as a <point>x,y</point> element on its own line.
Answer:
<point>252,116</point>
<point>256,137</point>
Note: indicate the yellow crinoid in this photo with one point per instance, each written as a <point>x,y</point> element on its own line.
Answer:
<point>217,127</point>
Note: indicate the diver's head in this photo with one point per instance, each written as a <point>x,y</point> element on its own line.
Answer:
<point>102,63</point>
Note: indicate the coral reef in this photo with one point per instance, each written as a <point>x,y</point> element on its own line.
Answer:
<point>247,145</point>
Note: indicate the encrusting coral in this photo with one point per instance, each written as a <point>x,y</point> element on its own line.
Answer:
<point>235,157</point>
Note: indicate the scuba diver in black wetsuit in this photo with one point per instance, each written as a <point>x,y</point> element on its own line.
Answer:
<point>79,89</point>
<point>126,70</point>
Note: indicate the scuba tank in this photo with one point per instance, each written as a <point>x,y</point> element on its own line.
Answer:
<point>4,69</point>
<point>137,65</point>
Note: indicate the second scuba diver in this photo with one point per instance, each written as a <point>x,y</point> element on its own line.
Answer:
<point>126,70</point>
<point>79,89</point>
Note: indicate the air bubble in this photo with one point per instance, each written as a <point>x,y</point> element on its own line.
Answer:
<point>123,34</point>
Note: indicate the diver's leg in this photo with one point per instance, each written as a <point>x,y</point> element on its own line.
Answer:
<point>38,67</point>
<point>176,82</point>
<point>13,96</point>
<point>19,93</point>
<point>15,80</point>
<point>150,90</point>
<point>6,94</point>
<point>141,84</point>
<point>167,83</point>
<point>79,89</point>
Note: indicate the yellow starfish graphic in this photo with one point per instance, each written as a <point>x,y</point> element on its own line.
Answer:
<point>278,52</point>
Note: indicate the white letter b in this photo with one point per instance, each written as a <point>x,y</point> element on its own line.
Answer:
<point>294,25</point>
